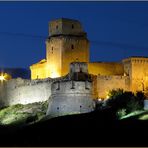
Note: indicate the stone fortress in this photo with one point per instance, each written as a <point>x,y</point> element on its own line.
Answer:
<point>68,43</point>
<point>66,77</point>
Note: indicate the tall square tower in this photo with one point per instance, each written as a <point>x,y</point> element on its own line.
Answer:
<point>67,43</point>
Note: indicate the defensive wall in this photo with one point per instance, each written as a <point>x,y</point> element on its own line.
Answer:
<point>108,83</point>
<point>70,94</point>
<point>23,91</point>
<point>70,97</point>
<point>105,68</point>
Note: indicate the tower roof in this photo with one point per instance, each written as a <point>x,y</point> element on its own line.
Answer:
<point>65,26</point>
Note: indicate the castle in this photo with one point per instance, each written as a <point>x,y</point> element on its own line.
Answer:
<point>66,77</point>
<point>68,43</point>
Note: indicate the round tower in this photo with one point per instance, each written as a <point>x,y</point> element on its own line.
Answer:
<point>71,96</point>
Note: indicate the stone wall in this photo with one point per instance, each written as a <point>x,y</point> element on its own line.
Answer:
<point>21,91</point>
<point>39,70</point>
<point>138,73</point>
<point>105,68</point>
<point>107,83</point>
<point>75,49</point>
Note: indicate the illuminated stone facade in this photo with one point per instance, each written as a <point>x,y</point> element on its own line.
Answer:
<point>136,69</point>
<point>67,43</point>
<point>133,77</point>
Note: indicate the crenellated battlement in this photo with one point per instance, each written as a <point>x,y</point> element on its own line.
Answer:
<point>136,60</point>
<point>71,87</point>
<point>110,77</point>
<point>65,26</point>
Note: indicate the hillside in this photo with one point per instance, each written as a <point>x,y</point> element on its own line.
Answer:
<point>20,114</point>
<point>98,128</point>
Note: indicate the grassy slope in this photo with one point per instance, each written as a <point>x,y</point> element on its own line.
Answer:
<point>91,129</point>
<point>23,114</point>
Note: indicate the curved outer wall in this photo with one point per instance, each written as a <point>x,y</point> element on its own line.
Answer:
<point>70,97</point>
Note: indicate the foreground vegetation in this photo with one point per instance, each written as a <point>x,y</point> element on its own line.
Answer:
<point>23,114</point>
<point>125,104</point>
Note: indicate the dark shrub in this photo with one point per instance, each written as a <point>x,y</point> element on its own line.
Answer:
<point>31,119</point>
<point>127,101</point>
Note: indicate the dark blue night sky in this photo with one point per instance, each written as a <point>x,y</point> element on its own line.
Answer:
<point>115,29</point>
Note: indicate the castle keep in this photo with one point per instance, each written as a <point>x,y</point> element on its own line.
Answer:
<point>67,42</point>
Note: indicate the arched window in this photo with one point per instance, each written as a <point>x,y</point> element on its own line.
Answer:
<point>72,46</point>
<point>56,26</point>
<point>51,49</point>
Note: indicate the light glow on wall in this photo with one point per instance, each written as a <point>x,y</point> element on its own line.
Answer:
<point>54,74</point>
<point>107,97</point>
<point>107,94</point>
<point>2,78</point>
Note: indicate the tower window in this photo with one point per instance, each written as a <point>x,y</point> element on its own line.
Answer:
<point>56,26</point>
<point>52,50</point>
<point>72,26</point>
<point>72,46</point>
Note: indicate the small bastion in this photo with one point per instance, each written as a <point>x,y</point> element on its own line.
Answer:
<point>72,95</point>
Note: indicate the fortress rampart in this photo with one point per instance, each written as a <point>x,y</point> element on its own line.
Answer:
<point>71,87</point>
<point>22,91</point>
<point>108,83</point>
<point>70,97</point>
<point>105,68</point>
